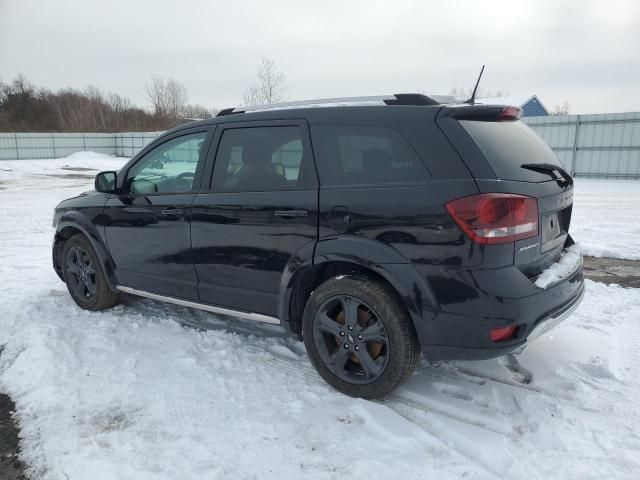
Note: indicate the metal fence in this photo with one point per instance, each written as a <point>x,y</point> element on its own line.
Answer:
<point>23,146</point>
<point>603,145</point>
<point>130,143</point>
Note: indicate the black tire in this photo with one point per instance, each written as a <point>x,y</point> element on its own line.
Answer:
<point>397,350</point>
<point>82,272</point>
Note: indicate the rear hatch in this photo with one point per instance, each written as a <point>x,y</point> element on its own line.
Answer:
<point>505,156</point>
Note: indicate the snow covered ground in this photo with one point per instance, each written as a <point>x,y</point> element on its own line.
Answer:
<point>606,217</point>
<point>132,394</point>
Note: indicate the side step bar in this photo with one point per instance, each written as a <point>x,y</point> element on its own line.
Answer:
<point>258,317</point>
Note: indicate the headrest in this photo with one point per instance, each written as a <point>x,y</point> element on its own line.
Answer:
<point>253,154</point>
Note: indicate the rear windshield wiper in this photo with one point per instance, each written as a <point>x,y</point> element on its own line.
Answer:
<point>558,173</point>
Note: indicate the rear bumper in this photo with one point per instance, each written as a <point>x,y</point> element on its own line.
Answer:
<point>556,318</point>
<point>461,331</point>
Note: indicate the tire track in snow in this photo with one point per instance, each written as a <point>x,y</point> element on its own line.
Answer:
<point>423,414</point>
<point>426,399</point>
<point>443,435</point>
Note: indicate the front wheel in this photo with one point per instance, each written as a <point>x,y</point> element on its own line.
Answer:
<point>84,277</point>
<point>359,336</point>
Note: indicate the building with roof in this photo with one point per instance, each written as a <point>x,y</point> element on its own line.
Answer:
<point>531,105</point>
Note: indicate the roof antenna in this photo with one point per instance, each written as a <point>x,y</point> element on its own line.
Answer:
<point>472,100</point>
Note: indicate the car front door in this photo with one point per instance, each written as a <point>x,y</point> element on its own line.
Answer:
<point>147,223</point>
<point>261,210</point>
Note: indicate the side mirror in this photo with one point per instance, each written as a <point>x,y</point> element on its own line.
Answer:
<point>106,182</point>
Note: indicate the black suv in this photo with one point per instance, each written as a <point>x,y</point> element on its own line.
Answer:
<point>375,229</point>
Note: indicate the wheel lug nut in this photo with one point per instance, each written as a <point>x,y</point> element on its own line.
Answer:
<point>350,327</point>
<point>341,333</point>
<point>359,337</point>
<point>357,348</point>
<point>346,346</point>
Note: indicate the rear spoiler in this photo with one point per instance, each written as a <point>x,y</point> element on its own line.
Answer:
<point>485,113</point>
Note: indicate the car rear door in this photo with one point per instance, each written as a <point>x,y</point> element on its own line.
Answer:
<point>260,211</point>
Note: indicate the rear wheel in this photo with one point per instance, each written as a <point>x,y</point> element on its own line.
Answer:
<point>84,277</point>
<point>359,336</point>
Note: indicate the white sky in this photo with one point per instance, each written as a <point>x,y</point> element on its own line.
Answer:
<point>585,51</point>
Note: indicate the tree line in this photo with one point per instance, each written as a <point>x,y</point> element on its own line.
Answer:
<point>27,108</point>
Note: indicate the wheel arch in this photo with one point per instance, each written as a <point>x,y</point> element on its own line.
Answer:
<point>347,255</point>
<point>70,225</point>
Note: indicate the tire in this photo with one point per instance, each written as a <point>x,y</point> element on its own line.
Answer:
<point>83,274</point>
<point>357,311</point>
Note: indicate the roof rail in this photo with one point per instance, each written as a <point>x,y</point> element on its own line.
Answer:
<point>396,99</point>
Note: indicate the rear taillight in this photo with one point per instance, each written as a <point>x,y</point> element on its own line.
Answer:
<point>501,334</point>
<point>485,113</point>
<point>490,218</point>
<point>510,113</point>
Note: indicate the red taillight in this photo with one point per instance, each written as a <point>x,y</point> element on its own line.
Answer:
<point>500,334</point>
<point>510,113</point>
<point>491,218</point>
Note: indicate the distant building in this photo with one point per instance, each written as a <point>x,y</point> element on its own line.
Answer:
<point>531,105</point>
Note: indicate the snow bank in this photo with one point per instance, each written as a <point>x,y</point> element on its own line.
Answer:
<point>88,156</point>
<point>85,161</point>
<point>569,262</point>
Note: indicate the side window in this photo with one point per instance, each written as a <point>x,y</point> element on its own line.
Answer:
<point>262,159</point>
<point>359,155</point>
<point>168,168</point>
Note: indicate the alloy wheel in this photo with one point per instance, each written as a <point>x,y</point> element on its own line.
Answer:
<point>351,339</point>
<point>80,273</point>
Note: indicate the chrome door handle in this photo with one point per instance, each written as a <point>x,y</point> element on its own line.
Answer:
<point>291,213</point>
<point>173,211</point>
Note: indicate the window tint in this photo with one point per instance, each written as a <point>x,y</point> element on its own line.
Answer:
<point>168,168</point>
<point>262,159</point>
<point>365,155</point>
<point>508,145</point>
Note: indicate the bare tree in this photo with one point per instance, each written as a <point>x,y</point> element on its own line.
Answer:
<point>119,106</point>
<point>562,109</point>
<point>178,97</point>
<point>271,87</point>
<point>168,97</point>
<point>197,112</point>
<point>96,110</point>
<point>4,91</point>
<point>22,86</point>
<point>119,103</point>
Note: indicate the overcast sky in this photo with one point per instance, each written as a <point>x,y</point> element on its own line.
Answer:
<point>587,52</point>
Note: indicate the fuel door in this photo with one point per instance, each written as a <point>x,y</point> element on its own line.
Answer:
<point>339,219</point>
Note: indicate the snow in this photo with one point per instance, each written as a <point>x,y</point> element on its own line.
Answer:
<point>569,262</point>
<point>606,217</point>
<point>131,393</point>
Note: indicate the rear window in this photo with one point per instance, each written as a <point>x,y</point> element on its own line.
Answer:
<point>508,145</point>
<point>364,155</point>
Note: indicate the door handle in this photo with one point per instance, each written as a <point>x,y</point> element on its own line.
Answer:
<point>173,211</point>
<point>291,213</point>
